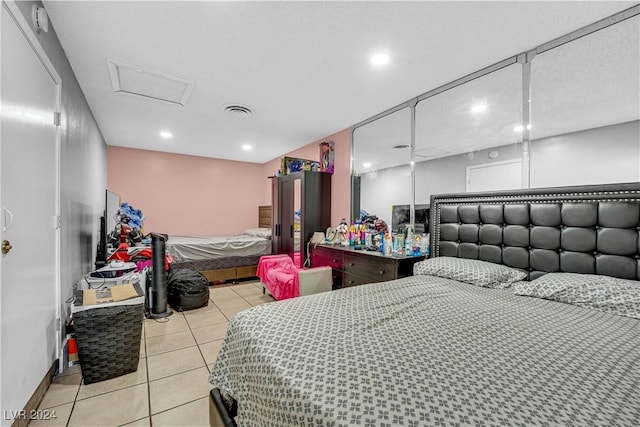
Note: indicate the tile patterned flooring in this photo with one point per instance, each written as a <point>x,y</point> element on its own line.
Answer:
<point>170,387</point>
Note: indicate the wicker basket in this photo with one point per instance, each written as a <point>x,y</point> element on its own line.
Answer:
<point>108,341</point>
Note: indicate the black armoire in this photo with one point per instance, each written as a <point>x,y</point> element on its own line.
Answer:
<point>309,193</point>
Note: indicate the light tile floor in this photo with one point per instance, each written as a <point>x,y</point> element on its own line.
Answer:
<point>170,387</point>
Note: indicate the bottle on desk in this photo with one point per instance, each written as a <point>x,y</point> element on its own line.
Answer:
<point>408,241</point>
<point>388,249</point>
<point>352,235</point>
<point>425,244</point>
<point>398,244</point>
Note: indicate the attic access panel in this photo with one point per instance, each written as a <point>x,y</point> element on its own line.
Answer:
<point>149,84</point>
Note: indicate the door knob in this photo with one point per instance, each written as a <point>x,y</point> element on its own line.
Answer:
<point>6,246</point>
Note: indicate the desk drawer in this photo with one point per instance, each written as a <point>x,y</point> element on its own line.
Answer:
<point>322,257</point>
<point>370,269</point>
<point>349,280</point>
<point>337,276</point>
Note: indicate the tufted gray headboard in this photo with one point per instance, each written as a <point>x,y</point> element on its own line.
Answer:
<point>586,229</point>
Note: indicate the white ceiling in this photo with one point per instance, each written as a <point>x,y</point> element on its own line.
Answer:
<point>303,67</point>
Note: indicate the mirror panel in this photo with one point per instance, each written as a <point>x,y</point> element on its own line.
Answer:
<point>468,138</point>
<point>297,216</point>
<point>585,109</point>
<point>384,171</point>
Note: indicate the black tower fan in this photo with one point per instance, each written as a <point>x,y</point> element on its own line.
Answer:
<point>157,281</point>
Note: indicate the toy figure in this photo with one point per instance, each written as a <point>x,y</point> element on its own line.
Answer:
<point>327,156</point>
<point>343,232</point>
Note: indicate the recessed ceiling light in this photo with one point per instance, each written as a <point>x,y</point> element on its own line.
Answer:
<point>166,135</point>
<point>520,128</point>
<point>247,147</point>
<point>366,165</point>
<point>380,59</point>
<point>478,108</point>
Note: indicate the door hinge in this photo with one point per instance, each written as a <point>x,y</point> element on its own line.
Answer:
<point>57,222</point>
<point>56,118</point>
<point>58,324</point>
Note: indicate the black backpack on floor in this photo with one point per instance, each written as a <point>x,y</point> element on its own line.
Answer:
<point>187,290</point>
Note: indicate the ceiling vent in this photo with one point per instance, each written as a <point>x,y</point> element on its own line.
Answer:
<point>149,84</point>
<point>238,110</point>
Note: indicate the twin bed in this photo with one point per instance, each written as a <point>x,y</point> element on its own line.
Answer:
<point>226,258</point>
<point>527,314</point>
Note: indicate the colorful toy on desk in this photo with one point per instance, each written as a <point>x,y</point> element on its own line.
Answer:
<point>352,235</point>
<point>388,245</point>
<point>343,231</point>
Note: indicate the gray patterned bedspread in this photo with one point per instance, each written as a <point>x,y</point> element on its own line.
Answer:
<point>425,351</point>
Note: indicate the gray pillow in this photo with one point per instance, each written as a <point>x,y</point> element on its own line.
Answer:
<point>475,272</point>
<point>601,293</point>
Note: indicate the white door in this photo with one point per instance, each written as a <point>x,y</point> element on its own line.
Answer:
<point>496,176</point>
<point>28,155</point>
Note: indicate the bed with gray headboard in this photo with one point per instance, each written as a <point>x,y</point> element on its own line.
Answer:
<point>590,229</point>
<point>527,313</point>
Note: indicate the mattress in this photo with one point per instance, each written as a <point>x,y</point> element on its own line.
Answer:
<point>429,351</point>
<point>200,248</point>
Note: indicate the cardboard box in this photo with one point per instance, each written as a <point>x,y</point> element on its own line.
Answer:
<point>112,294</point>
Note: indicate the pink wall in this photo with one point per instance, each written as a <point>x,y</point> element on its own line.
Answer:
<point>187,195</point>
<point>341,179</point>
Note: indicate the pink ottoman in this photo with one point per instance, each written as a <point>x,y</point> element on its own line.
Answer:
<point>283,279</point>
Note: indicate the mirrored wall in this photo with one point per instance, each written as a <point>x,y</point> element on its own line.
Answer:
<point>565,113</point>
<point>585,108</point>
<point>468,138</point>
<point>382,161</point>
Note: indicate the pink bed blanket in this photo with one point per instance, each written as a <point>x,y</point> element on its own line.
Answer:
<point>279,275</point>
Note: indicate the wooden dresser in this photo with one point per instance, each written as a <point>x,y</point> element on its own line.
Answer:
<point>356,267</point>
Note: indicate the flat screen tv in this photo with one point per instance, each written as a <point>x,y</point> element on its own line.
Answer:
<point>112,206</point>
<point>107,225</point>
<point>401,217</point>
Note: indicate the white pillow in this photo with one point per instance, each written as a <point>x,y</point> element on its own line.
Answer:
<point>472,271</point>
<point>603,293</point>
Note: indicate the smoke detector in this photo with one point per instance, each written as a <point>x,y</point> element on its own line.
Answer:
<point>39,18</point>
<point>238,110</point>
